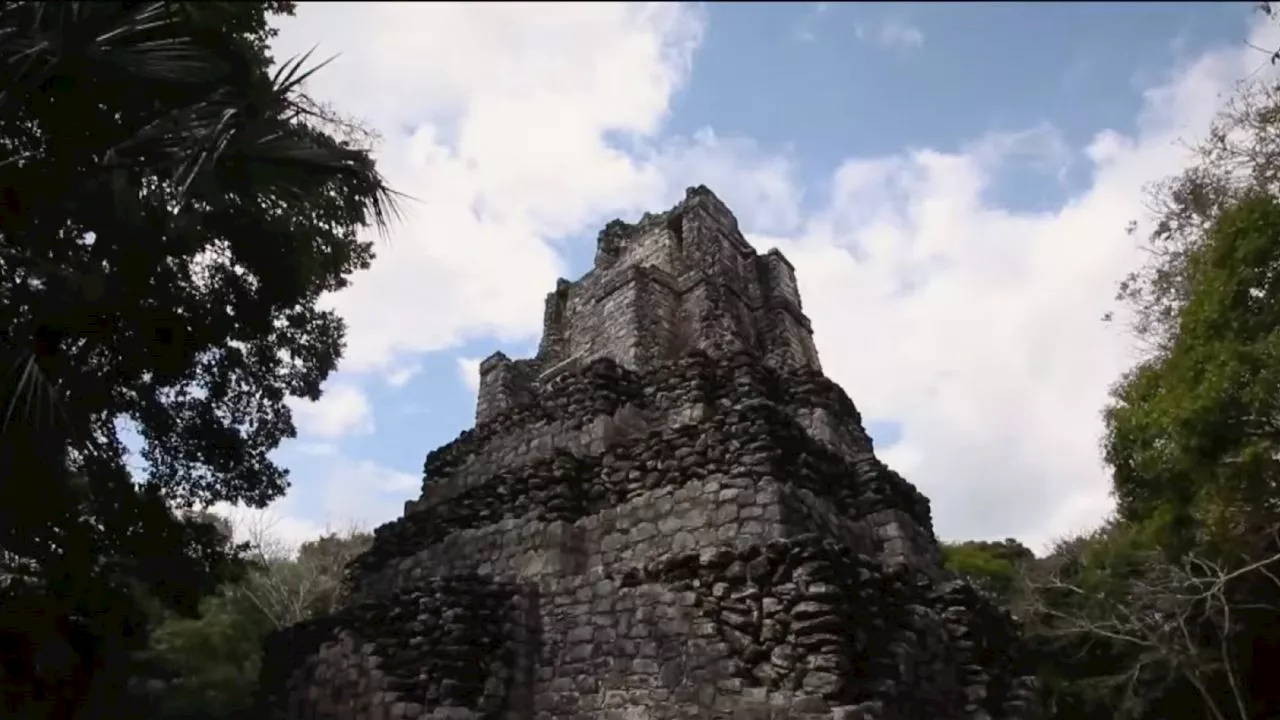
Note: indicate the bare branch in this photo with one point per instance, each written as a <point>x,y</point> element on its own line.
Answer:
<point>1164,612</point>
<point>291,584</point>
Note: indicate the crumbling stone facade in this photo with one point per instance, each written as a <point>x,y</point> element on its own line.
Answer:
<point>669,512</point>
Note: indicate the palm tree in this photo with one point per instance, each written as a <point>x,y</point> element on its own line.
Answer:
<point>171,209</point>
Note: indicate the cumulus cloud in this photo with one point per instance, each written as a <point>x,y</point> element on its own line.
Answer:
<point>975,327</point>
<point>978,328</point>
<point>469,371</point>
<point>762,186</point>
<point>495,118</point>
<point>345,495</point>
<point>273,527</point>
<point>364,493</point>
<point>341,410</point>
<point>400,376</point>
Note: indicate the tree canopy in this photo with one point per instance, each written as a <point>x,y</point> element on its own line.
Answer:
<point>1194,431</point>
<point>208,665</point>
<point>173,207</point>
<point>990,566</point>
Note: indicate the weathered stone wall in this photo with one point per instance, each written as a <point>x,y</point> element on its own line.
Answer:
<point>504,384</point>
<point>448,643</point>
<point>790,628</point>
<point>812,428</point>
<point>668,513</point>
<point>681,279</point>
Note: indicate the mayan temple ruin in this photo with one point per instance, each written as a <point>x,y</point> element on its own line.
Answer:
<point>669,512</point>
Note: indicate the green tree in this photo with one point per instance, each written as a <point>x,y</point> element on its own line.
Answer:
<point>1192,436</point>
<point>990,566</point>
<point>290,586</point>
<point>1190,429</point>
<point>172,209</point>
<point>208,665</point>
<point>1240,155</point>
<point>1124,631</point>
<point>1194,432</point>
<point>1173,605</point>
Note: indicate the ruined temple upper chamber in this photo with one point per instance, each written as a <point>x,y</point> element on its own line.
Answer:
<point>669,512</point>
<point>676,281</point>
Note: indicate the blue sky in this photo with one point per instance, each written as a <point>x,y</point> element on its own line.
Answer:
<point>814,87</point>
<point>952,181</point>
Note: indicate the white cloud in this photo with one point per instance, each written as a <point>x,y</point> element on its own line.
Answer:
<point>760,187</point>
<point>469,371</point>
<point>495,117</point>
<point>804,30</point>
<point>344,495</point>
<point>364,493</point>
<point>978,328</point>
<point>271,527</point>
<point>892,33</point>
<point>341,410</point>
<point>975,327</point>
<point>316,449</point>
<point>400,376</point>
<point>900,34</point>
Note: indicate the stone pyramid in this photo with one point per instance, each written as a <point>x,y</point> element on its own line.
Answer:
<point>669,512</point>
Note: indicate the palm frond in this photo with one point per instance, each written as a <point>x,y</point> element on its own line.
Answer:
<point>289,77</point>
<point>203,132</point>
<point>30,397</point>
<point>39,38</point>
<point>247,128</point>
<point>290,164</point>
